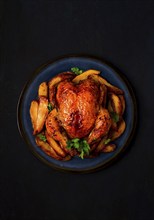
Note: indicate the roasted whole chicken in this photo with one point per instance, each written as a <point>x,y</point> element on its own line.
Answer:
<point>77,115</point>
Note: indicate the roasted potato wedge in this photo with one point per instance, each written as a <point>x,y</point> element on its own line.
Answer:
<point>116,104</point>
<point>55,145</point>
<point>114,125</point>
<point>109,107</point>
<point>41,114</point>
<point>109,148</point>
<point>101,145</point>
<point>68,157</point>
<point>33,113</point>
<point>47,149</point>
<point>54,81</point>
<point>121,128</point>
<point>122,99</point>
<point>59,78</point>
<point>110,87</point>
<point>43,90</point>
<point>85,75</point>
<point>103,98</point>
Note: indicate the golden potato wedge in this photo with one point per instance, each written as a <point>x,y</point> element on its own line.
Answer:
<point>54,81</point>
<point>114,125</point>
<point>68,157</point>
<point>62,76</point>
<point>101,145</point>
<point>55,145</point>
<point>109,148</point>
<point>43,90</point>
<point>47,149</point>
<point>103,96</point>
<point>109,107</point>
<point>93,146</point>
<point>110,87</point>
<point>33,113</point>
<point>85,75</point>
<point>121,127</point>
<point>116,103</point>
<point>41,114</point>
<point>122,99</point>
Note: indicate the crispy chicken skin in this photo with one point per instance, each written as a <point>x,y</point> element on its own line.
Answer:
<point>54,82</point>
<point>78,106</point>
<point>53,127</point>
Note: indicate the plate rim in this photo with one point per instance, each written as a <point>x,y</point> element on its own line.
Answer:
<point>116,156</point>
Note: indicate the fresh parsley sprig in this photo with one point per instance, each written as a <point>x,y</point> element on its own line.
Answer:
<point>114,116</point>
<point>107,141</point>
<point>42,137</point>
<point>76,70</point>
<point>50,107</point>
<point>80,145</point>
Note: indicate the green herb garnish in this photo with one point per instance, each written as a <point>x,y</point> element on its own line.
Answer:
<point>107,141</point>
<point>80,145</point>
<point>114,116</point>
<point>50,107</point>
<point>42,137</point>
<point>76,70</point>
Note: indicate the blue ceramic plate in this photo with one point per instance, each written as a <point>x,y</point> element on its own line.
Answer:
<point>45,73</point>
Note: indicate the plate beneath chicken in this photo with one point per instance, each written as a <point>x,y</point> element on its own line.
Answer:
<point>77,113</point>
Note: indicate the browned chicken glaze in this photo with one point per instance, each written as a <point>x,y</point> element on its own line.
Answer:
<point>78,106</point>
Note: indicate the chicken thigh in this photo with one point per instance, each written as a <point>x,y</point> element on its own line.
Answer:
<point>79,107</point>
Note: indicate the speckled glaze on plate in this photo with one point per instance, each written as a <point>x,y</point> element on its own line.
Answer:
<point>45,73</point>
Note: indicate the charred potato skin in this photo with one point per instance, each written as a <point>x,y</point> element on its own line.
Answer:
<point>52,84</point>
<point>123,103</point>
<point>55,145</point>
<point>116,103</point>
<point>114,134</point>
<point>109,148</point>
<point>47,148</point>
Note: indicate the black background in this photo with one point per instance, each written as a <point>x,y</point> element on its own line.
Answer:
<point>34,32</point>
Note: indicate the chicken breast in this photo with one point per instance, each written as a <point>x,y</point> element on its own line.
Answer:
<point>78,106</point>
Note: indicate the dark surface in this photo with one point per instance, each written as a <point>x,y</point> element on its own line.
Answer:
<point>33,32</point>
<point>30,93</point>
